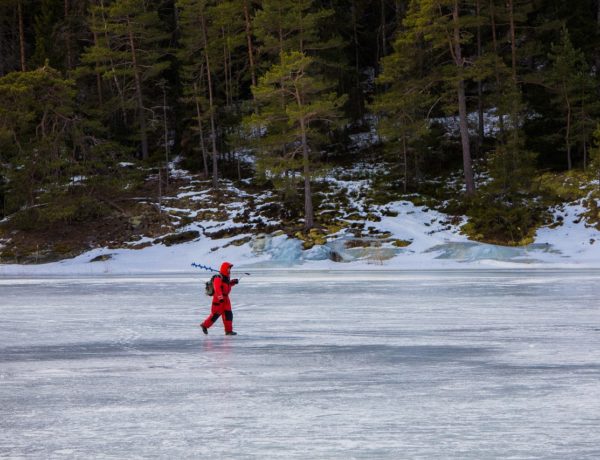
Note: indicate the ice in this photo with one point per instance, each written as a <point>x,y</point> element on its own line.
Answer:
<point>343,253</point>
<point>317,252</point>
<point>372,365</point>
<point>472,251</point>
<point>286,251</point>
<point>281,251</point>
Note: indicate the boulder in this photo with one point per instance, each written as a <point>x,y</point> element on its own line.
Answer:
<point>102,258</point>
<point>178,238</point>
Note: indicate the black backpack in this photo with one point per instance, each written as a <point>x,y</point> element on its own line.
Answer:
<point>209,287</point>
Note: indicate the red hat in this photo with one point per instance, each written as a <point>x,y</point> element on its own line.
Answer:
<point>225,268</point>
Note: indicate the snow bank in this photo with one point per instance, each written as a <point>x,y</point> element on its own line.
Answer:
<point>434,244</point>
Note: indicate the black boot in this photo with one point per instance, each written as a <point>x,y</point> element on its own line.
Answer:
<point>204,328</point>
<point>231,333</point>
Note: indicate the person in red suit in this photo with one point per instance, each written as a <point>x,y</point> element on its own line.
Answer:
<point>221,306</point>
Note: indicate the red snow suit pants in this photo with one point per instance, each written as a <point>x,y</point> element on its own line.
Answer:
<point>220,309</point>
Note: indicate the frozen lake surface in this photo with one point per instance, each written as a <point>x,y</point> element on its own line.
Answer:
<point>455,364</point>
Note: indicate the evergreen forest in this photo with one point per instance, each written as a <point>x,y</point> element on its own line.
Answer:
<point>484,108</point>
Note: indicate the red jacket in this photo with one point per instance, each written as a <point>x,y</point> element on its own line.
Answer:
<point>222,283</point>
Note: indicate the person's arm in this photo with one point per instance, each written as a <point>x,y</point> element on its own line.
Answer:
<point>218,283</point>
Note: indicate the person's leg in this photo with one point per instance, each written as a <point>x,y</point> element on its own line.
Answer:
<point>228,317</point>
<point>215,312</point>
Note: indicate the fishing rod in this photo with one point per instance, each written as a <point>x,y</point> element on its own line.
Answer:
<point>204,267</point>
<point>210,269</point>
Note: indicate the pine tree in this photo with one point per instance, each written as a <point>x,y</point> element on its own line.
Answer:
<point>23,57</point>
<point>46,20</point>
<point>292,25</point>
<point>291,112</point>
<point>131,52</point>
<point>444,31</point>
<point>199,59</point>
<point>12,36</point>
<point>39,133</point>
<point>403,106</point>
<point>512,164</point>
<point>595,157</point>
<point>229,24</point>
<point>573,86</point>
<point>57,168</point>
<point>218,66</point>
<point>307,101</point>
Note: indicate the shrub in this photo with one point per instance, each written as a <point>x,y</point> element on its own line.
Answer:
<point>493,219</point>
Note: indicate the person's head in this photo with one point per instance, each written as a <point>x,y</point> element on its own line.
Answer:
<point>226,268</point>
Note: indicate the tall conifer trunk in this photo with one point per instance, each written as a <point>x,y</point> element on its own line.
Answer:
<point>598,22</point>
<point>226,67</point>
<point>355,41</point>
<point>138,92</point>
<point>496,70</point>
<point>2,65</point>
<point>513,41</point>
<point>480,127</point>
<point>513,51</point>
<point>462,104</point>
<point>21,36</point>
<point>248,23</point>
<point>213,131</point>
<point>112,64</point>
<point>405,160</point>
<point>568,132</point>
<point>308,204</point>
<point>68,36</point>
<point>382,27</point>
<point>201,132</point>
<point>584,133</point>
<point>98,76</point>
